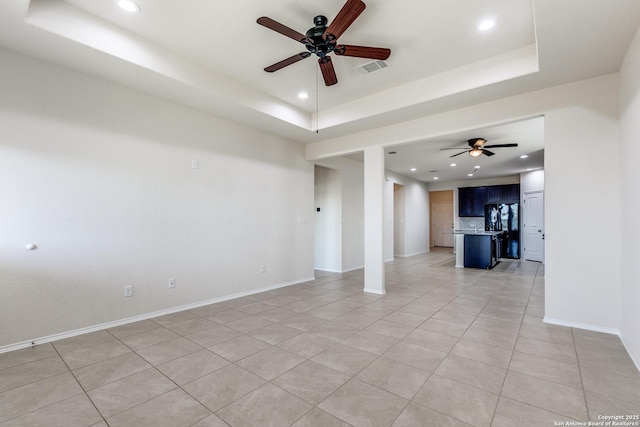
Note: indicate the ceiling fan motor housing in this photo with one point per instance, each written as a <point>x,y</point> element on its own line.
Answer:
<point>476,142</point>
<point>315,42</point>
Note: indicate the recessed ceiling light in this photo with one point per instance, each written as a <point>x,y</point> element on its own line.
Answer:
<point>413,169</point>
<point>469,174</point>
<point>129,6</point>
<point>303,95</point>
<point>476,167</point>
<point>435,177</point>
<point>452,165</point>
<point>486,25</point>
<point>524,156</point>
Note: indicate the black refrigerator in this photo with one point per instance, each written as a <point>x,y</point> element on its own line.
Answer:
<point>505,217</point>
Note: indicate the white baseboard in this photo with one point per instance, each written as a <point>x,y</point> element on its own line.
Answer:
<point>634,357</point>
<point>579,325</point>
<point>328,270</point>
<point>410,255</point>
<point>374,291</point>
<point>113,324</point>
<point>340,271</point>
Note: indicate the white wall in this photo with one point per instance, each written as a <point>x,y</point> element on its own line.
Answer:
<point>582,223</point>
<point>399,201</point>
<point>352,215</point>
<point>415,206</point>
<point>582,275</point>
<point>416,215</point>
<point>531,181</point>
<point>630,200</point>
<point>352,211</point>
<point>99,177</point>
<point>328,222</point>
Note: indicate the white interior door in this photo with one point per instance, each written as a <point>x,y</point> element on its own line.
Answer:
<point>533,226</point>
<point>443,224</point>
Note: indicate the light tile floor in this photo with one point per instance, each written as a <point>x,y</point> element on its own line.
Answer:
<point>443,347</point>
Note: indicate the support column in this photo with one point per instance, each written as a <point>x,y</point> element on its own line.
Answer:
<point>374,220</point>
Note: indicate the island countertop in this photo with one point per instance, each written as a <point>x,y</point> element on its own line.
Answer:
<point>479,232</point>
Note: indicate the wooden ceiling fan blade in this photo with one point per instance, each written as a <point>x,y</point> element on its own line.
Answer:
<point>363,51</point>
<point>280,28</point>
<point>500,145</point>
<point>286,62</point>
<point>487,152</point>
<point>466,151</point>
<point>328,72</point>
<point>349,13</point>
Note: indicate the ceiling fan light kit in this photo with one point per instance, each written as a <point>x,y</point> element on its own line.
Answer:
<point>321,40</point>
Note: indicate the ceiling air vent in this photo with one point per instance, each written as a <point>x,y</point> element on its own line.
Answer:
<point>372,67</point>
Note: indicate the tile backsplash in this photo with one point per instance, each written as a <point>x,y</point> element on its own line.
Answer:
<point>470,223</point>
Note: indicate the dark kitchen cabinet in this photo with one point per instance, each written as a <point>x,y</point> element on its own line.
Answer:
<point>495,194</point>
<point>464,201</point>
<point>471,200</point>
<point>480,251</point>
<point>510,193</point>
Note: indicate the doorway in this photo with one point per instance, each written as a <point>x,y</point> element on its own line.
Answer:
<point>441,220</point>
<point>328,219</point>
<point>533,226</point>
<point>442,214</point>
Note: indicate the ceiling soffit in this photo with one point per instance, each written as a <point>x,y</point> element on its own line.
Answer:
<point>72,23</point>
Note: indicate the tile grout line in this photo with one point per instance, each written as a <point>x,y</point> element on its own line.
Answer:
<point>495,410</point>
<point>81,386</point>
<point>584,392</point>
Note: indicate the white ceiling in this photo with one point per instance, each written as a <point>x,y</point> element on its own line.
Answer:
<point>210,55</point>
<point>432,163</point>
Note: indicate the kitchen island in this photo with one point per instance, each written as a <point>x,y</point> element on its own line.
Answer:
<point>477,248</point>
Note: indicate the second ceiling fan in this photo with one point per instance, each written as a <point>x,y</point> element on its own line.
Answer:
<point>478,148</point>
<point>321,40</point>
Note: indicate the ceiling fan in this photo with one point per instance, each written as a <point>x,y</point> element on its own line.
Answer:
<point>321,40</point>
<point>478,148</point>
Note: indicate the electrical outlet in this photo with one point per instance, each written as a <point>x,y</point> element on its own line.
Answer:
<point>263,268</point>
<point>172,283</point>
<point>128,291</point>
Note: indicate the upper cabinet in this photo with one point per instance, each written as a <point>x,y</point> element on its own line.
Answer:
<point>510,193</point>
<point>494,194</point>
<point>471,200</point>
